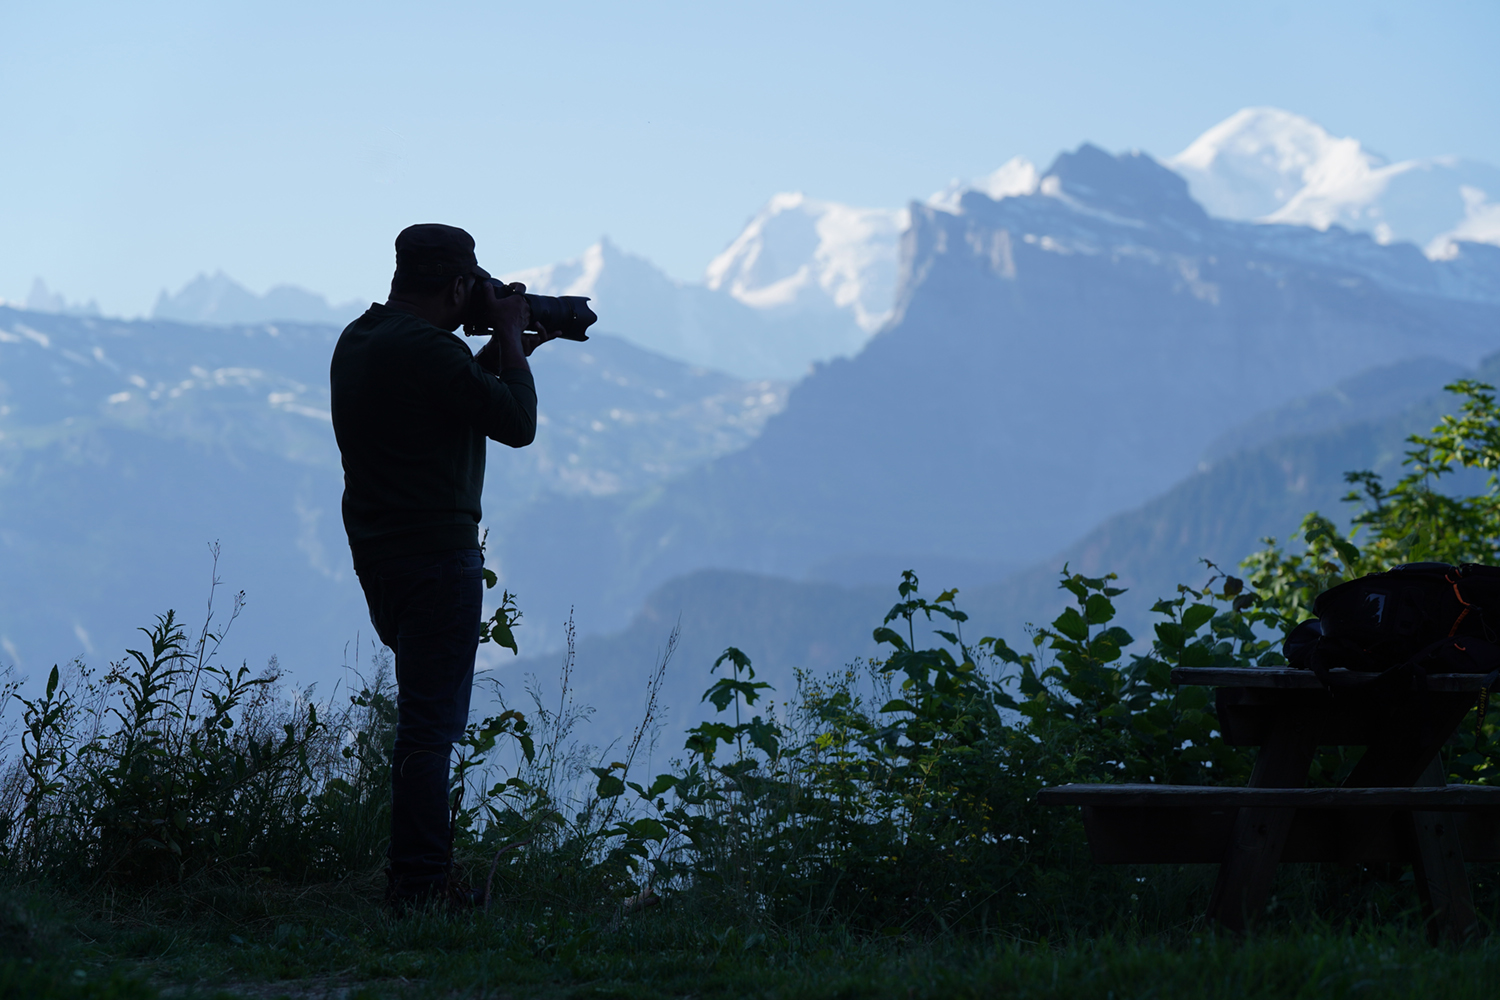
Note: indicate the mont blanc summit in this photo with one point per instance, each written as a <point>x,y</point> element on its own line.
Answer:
<point>1272,166</point>
<point>1254,162</point>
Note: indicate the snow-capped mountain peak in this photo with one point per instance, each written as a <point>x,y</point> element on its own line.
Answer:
<point>578,276</point>
<point>800,252</point>
<point>711,327</point>
<point>1255,161</point>
<point>1269,165</point>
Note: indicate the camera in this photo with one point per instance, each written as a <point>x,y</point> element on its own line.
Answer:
<point>566,316</point>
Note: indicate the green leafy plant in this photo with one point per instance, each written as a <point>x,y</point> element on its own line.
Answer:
<point>1420,518</point>
<point>500,627</point>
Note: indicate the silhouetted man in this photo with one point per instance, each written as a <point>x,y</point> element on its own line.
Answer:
<point>412,411</point>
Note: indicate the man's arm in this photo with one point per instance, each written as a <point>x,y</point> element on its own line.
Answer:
<point>489,355</point>
<point>500,352</point>
<point>495,391</point>
<point>509,418</point>
<point>501,405</point>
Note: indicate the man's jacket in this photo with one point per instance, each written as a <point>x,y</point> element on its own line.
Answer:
<point>412,410</point>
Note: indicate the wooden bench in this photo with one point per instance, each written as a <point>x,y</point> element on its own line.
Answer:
<point>1394,807</point>
<point>1165,824</point>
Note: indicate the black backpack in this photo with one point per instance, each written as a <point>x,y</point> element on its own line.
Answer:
<point>1409,621</point>
<point>1419,618</point>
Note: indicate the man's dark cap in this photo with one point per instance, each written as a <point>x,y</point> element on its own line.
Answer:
<point>434,250</point>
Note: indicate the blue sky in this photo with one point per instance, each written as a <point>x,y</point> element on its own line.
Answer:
<point>141,144</point>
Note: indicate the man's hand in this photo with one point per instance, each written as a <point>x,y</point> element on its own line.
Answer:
<point>531,341</point>
<point>503,315</point>
<point>508,317</point>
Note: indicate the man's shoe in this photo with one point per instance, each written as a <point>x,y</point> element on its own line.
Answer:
<point>463,897</point>
<point>405,896</point>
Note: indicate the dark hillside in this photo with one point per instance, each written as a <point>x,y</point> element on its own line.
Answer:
<point>1220,513</point>
<point>1223,512</point>
<point>782,625</point>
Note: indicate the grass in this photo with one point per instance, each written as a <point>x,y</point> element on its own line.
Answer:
<point>267,940</point>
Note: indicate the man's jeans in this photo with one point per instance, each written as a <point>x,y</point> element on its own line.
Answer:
<point>426,608</point>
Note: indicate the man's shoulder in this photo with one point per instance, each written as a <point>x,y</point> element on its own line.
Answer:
<point>387,329</point>
<point>385,318</point>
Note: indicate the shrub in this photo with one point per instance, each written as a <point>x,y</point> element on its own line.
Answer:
<point>173,763</point>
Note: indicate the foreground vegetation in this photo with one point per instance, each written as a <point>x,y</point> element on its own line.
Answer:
<point>174,823</point>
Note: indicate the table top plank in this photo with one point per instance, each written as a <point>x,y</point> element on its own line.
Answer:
<point>1289,679</point>
<point>1447,798</point>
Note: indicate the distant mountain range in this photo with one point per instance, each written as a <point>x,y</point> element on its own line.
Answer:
<point>1079,362</point>
<point>698,324</point>
<point>805,281</point>
<point>808,281</point>
<point>126,447</point>
<point>43,299</point>
<point>1268,165</point>
<point>217,298</point>
<point>825,274</point>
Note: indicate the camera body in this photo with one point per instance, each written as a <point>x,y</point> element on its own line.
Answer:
<point>566,316</point>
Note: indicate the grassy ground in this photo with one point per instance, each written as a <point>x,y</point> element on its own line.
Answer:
<point>268,941</point>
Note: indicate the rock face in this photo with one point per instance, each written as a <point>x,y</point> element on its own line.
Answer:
<point>1053,359</point>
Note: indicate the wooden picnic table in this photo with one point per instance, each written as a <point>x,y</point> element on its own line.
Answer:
<point>1394,807</point>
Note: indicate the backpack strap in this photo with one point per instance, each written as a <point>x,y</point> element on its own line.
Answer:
<point>1467,607</point>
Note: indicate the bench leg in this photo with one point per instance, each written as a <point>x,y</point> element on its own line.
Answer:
<point>1244,882</point>
<point>1438,867</point>
<point>1245,877</point>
